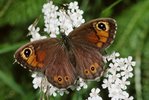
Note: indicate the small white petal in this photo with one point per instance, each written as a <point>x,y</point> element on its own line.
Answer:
<point>54,94</point>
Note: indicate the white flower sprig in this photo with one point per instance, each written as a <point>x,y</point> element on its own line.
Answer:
<point>120,69</point>
<point>81,84</point>
<point>34,32</point>
<point>94,95</point>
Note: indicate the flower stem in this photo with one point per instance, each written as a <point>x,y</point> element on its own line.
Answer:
<point>138,77</point>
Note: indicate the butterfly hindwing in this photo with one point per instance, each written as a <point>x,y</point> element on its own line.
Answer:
<point>60,72</point>
<point>89,62</point>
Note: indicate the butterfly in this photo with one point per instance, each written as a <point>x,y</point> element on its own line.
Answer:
<point>63,60</point>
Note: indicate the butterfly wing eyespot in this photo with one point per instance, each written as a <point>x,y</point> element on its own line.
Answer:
<point>58,79</point>
<point>101,26</point>
<point>86,72</point>
<point>94,67</point>
<point>26,53</point>
<point>66,78</point>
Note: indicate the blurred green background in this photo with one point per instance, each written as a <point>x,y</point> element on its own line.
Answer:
<point>132,39</point>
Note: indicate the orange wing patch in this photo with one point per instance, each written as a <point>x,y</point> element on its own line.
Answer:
<point>103,38</point>
<point>98,38</point>
<point>41,56</point>
<point>102,33</point>
<point>92,37</point>
<point>99,44</point>
<point>33,61</point>
<point>32,58</point>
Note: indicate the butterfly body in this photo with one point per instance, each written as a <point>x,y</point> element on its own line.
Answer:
<point>65,59</point>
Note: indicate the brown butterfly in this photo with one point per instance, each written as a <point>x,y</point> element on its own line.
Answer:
<point>63,60</point>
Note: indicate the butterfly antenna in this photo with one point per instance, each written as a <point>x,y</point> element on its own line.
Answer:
<point>35,23</point>
<point>63,9</point>
<point>103,52</point>
<point>64,6</point>
<point>49,0</point>
<point>105,71</point>
<point>14,61</point>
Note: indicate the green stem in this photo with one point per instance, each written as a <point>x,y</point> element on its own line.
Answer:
<point>2,12</point>
<point>110,7</point>
<point>137,72</point>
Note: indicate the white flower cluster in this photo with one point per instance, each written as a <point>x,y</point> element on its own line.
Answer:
<point>116,79</point>
<point>60,20</point>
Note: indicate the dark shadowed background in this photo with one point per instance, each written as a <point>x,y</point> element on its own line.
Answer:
<point>132,39</point>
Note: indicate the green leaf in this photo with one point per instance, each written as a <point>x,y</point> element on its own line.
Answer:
<point>8,80</point>
<point>4,48</point>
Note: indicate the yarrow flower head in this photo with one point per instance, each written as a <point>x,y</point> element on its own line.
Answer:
<point>59,20</point>
<point>118,73</point>
<point>64,21</point>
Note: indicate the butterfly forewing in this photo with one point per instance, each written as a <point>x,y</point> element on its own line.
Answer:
<point>35,55</point>
<point>99,32</point>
